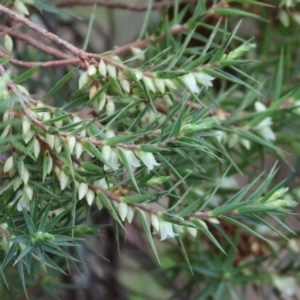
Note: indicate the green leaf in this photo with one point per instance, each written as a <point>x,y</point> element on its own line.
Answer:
<point>236,12</point>
<point>107,204</point>
<point>201,225</point>
<point>60,83</point>
<point>26,75</point>
<point>143,220</point>
<point>88,34</point>
<point>246,228</point>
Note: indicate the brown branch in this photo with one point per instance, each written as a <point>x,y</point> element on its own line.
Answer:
<point>34,43</point>
<point>47,64</point>
<point>126,6</point>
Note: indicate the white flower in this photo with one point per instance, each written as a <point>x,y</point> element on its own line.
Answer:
<point>130,157</point>
<point>192,231</point>
<point>149,83</point>
<point>8,42</point>
<point>71,142</point>
<point>28,136</point>
<point>112,158</point>
<point>170,84</point>
<point>148,159</point>
<point>245,143</point>
<point>138,52</point>
<point>8,165</point>
<point>50,139</point>
<point>232,139</point>
<point>130,214</point>
<point>17,183</point>
<point>112,71</point>
<point>264,129</point>
<point>166,229</point>
<point>102,68</point>
<point>259,107</point>
<point>36,148</point>
<point>21,7</point>
<point>92,70</point>
<point>204,79</point>
<point>110,107</point>
<point>83,80</point>
<point>123,210</point>
<point>101,183</point>
<point>286,285</point>
<point>90,196</point>
<point>190,82</point>
<point>25,125</point>
<point>221,136</point>
<point>155,222</point>
<point>23,201</point>
<point>63,180</point>
<point>160,84</point>
<point>78,149</point>
<point>28,191</point>
<point>82,190</point>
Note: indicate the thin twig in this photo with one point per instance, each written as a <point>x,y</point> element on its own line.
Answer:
<point>126,6</point>
<point>47,64</point>
<point>34,43</point>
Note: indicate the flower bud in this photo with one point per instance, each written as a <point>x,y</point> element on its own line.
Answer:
<point>149,83</point>
<point>138,52</point>
<point>71,142</point>
<point>192,231</point>
<point>8,165</point>
<point>155,222</point>
<point>21,7</point>
<point>160,84</point>
<point>138,74</point>
<point>28,136</point>
<point>25,176</point>
<point>25,125</point>
<point>50,139</point>
<point>8,42</point>
<point>102,68</point>
<point>83,80</point>
<point>92,70</point>
<point>90,196</point>
<point>82,190</point>
<point>46,116</point>
<point>170,84</point>
<point>78,149</point>
<point>57,144</point>
<point>17,183</point>
<point>125,85</point>
<point>130,214</point>
<point>123,210</point>
<point>112,71</point>
<point>28,191</point>
<point>190,82</point>
<point>63,180</point>
<point>50,165</point>
<point>36,148</point>
<point>110,107</point>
